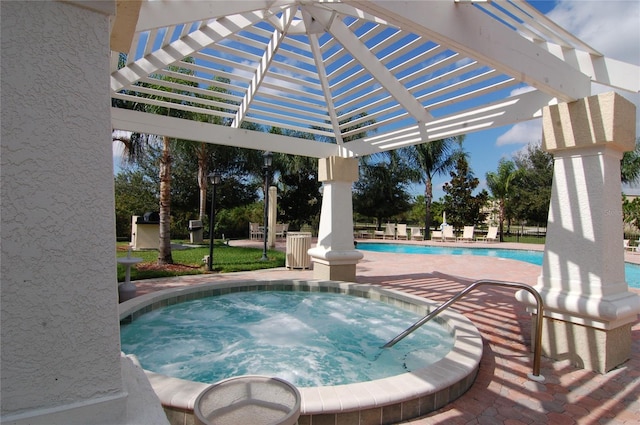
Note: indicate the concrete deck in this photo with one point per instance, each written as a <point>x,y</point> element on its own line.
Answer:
<point>502,393</point>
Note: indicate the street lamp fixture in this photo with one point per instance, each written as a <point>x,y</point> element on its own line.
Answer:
<point>268,158</point>
<point>214,178</point>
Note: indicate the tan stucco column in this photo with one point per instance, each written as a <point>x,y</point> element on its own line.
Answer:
<point>334,256</point>
<point>60,333</point>
<point>273,216</point>
<point>589,310</point>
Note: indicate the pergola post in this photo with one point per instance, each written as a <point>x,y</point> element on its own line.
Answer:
<point>273,216</point>
<point>589,310</point>
<point>61,361</point>
<point>334,255</point>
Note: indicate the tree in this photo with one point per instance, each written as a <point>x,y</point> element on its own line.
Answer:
<point>432,159</point>
<point>501,188</point>
<point>461,206</point>
<point>631,212</point>
<point>531,193</point>
<point>300,199</point>
<point>382,189</point>
<point>630,165</point>
<point>205,152</point>
<point>134,194</point>
<point>165,106</point>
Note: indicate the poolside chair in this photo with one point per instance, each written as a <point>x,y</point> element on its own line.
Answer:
<point>491,236</point>
<point>436,236</point>
<point>281,230</point>
<point>416,235</point>
<point>378,234</point>
<point>402,232</point>
<point>255,232</point>
<point>628,247</point>
<point>447,234</point>
<point>467,234</point>
<point>389,231</point>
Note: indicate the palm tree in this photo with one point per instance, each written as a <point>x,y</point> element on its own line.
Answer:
<point>381,191</point>
<point>432,159</point>
<point>138,141</point>
<point>500,186</point>
<point>630,165</point>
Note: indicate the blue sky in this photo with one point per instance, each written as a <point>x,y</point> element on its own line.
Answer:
<point>611,27</point>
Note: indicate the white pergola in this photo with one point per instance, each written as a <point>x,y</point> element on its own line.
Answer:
<point>401,72</point>
<point>405,72</point>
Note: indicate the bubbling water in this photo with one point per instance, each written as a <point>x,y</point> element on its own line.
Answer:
<point>308,339</point>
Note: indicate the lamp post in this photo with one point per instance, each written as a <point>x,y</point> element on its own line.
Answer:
<point>268,158</point>
<point>214,179</point>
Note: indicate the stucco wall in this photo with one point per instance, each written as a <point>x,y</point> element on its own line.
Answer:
<point>60,341</point>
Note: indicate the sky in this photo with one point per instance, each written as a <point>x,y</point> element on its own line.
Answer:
<point>609,26</point>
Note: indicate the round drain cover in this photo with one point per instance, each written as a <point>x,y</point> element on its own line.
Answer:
<point>256,400</point>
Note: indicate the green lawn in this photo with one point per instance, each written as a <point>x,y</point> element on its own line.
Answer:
<point>225,259</point>
<point>524,239</point>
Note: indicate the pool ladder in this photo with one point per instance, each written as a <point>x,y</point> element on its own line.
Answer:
<point>537,347</point>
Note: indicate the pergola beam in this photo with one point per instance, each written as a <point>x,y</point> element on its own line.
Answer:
<point>162,125</point>
<point>471,32</point>
<point>369,61</point>
<point>261,71</point>
<point>181,48</point>
<point>523,107</point>
<point>160,14</point>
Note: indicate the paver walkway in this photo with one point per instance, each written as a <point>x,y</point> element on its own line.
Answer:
<point>501,394</point>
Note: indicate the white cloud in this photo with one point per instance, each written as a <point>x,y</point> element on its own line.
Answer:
<point>521,133</point>
<point>611,27</point>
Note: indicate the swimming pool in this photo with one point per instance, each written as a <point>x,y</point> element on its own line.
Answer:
<point>632,271</point>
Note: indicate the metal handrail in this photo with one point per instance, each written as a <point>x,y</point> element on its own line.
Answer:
<point>537,343</point>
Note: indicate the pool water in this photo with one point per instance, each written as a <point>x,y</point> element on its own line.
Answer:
<point>308,339</point>
<point>632,271</point>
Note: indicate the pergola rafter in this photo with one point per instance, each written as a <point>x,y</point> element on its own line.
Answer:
<point>381,74</point>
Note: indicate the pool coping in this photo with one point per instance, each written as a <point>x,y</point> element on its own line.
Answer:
<point>393,398</point>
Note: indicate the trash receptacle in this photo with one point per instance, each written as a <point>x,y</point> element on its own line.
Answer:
<point>195,231</point>
<point>255,400</point>
<point>298,243</point>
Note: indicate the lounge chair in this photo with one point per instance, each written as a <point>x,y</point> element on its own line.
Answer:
<point>436,236</point>
<point>401,232</point>
<point>491,236</point>
<point>389,231</point>
<point>416,235</point>
<point>447,234</point>
<point>467,234</point>
<point>628,247</point>
<point>255,232</point>
<point>378,234</point>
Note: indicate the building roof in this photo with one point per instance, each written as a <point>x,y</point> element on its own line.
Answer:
<point>360,76</point>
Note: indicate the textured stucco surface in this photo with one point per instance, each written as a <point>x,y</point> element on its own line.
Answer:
<point>334,255</point>
<point>606,118</point>
<point>60,341</point>
<point>588,306</point>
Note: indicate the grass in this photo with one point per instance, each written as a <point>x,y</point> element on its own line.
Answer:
<point>188,261</point>
<point>524,239</point>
